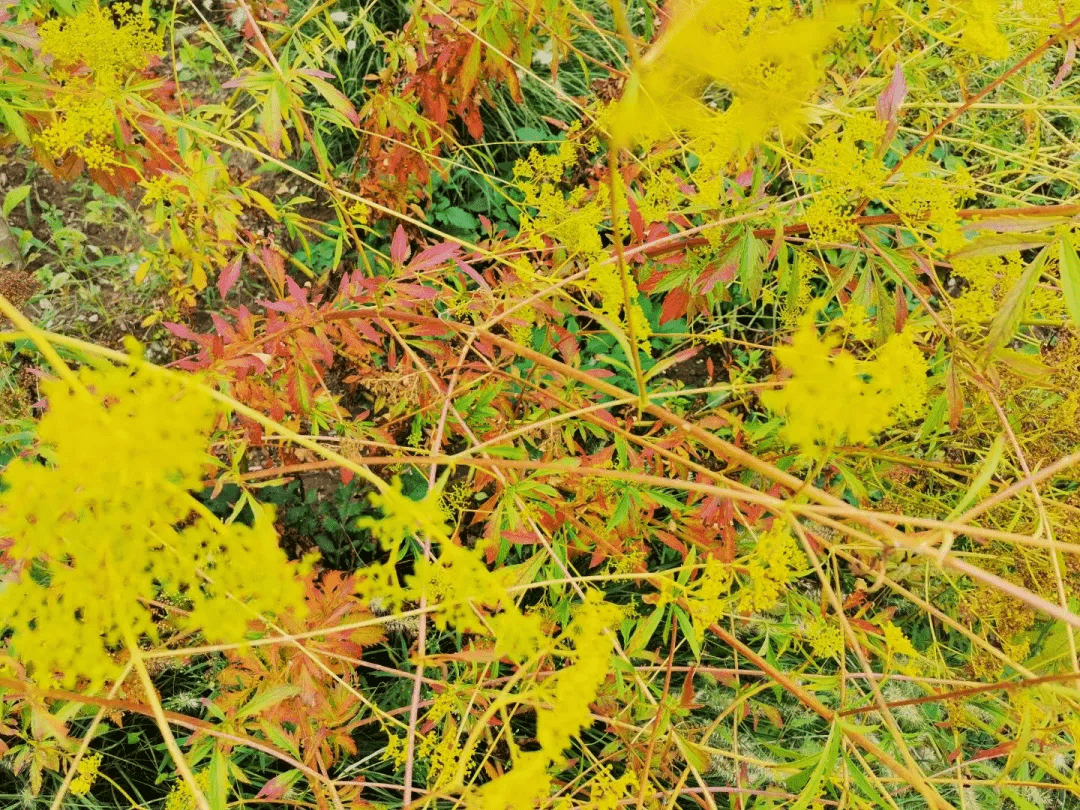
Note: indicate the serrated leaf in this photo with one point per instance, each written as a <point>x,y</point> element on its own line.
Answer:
<point>15,124</point>
<point>336,99</point>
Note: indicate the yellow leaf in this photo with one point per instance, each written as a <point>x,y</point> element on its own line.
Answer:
<point>198,276</point>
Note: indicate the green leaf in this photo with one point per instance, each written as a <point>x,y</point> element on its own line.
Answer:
<point>218,795</point>
<point>13,198</point>
<point>645,631</point>
<point>999,244</point>
<point>825,765</point>
<point>335,98</point>
<point>265,700</point>
<point>15,124</point>
<point>1008,317</point>
<point>986,472</point>
<point>751,266</point>
<point>686,624</point>
<point>1069,268</point>
<point>459,218</point>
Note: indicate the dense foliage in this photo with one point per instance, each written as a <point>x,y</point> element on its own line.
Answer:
<point>539,404</point>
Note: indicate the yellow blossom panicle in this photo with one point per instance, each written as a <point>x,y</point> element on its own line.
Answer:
<point>897,644</point>
<point>987,280</point>
<point>981,34</point>
<point>403,518</point>
<point>93,53</point>
<point>606,792</point>
<point>832,395</point>
<point>826,638</point>
<point>86,773</point>
<point>760,51</point>
<point>772,564</point>
<point>574,221</point>
<point>848,170</point>
<point>181,797</point>
<point>104,40</point>
<point>109,525</point>
<point>562,707</point>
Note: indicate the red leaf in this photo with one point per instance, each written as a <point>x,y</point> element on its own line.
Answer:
<point>279,306</point>
<point>888,103</point>
<point>637,222</point>
<point>674,305</point>
<point>399,247</point>
<point>1066,66</point>
<point>686,698</point>
<point>434,256</point>
<point>471,273</point>
<point>296,291</point>
<point>222,326</point>
<point>279,785</point>
<point>521,537</point>
<point>227,278</point>
<point>182,332</point>
<point>999,750</point>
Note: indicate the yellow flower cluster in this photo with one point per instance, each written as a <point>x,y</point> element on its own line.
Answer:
<point>980,34</point>
<point>826,638</point>
<point>987,280</point>
<point>772,564</point>
<point>1050,14</point>
<point>402,517</point>
<point>88,117</point>
<point>181,797</point>
<point>91,52</point>
<point>896,643</point>
<point>766,57</point>
<point>443,754</point>
<point>921,195</point>
<point>93,39</point>
<point>848,169</point>
<point>605,791</point>
<point>464,594</point>
<point>86,773</point>
<point>605,282</point>
<point>97,534</point>
<point>562,707</point>
<point>707,601</point>
<point>574,222</point>
<point>660,196</point>
<point>831,396</point>
<point>359,212</point>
